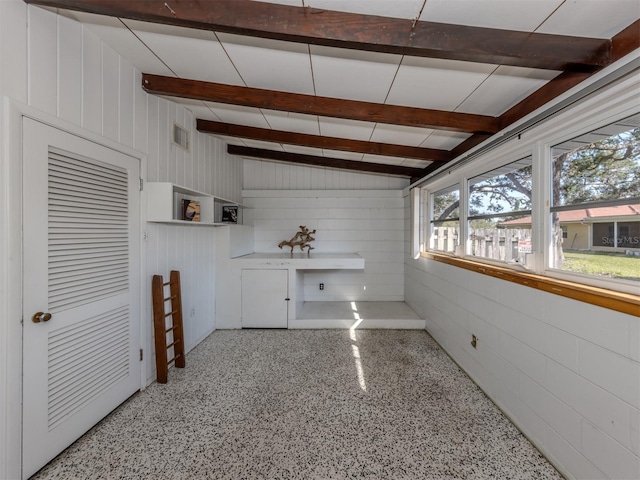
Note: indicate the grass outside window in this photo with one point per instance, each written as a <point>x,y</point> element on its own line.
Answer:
<point>603,264</point>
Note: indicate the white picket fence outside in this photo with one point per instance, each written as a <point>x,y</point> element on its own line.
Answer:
<point>498,244</point>
<point>445,239</point>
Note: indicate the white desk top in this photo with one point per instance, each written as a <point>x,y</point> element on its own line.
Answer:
<point>304,261</point>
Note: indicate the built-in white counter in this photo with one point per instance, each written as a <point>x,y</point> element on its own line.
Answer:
<point>232,259</point>
<point>303,261</point>
<point>295,265</point>
<point>270,286</point>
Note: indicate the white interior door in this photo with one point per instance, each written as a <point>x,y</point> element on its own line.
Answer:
<point>265,298</point>
<point>81,271</point>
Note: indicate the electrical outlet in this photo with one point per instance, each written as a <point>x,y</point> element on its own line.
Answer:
<point>322,286</point>
<point>474,341</point>
<point>193,312</point>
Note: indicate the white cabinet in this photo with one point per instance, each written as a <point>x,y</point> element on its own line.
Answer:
<point>164,205</point>
<point>265,298</point>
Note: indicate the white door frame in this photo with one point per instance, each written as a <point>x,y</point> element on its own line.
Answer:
<point>11,219</point>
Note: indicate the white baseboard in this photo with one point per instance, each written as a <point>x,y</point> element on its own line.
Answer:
<point>391,324</point>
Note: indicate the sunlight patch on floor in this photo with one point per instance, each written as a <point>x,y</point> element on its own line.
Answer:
<point>354,348</point>
<point>356,356</point>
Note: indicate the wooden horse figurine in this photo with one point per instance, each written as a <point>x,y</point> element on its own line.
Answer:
<point>300,239</point>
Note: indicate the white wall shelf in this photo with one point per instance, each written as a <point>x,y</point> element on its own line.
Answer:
<point>164,205</point>
<point>219,203</point>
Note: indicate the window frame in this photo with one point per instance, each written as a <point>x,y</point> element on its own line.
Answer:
<point>467,182</point>
<point>547,145</point>
<point>540,151</point>
<point>430,222</point>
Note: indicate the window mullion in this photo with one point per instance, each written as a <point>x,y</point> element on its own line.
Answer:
<point>540,206</point>
<point>463,245</point>
<point>424,220</point>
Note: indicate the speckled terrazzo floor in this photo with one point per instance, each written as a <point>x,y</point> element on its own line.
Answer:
<point>299,404</point>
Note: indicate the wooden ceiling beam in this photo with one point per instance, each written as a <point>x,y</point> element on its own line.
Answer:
<point>315,105</point>
<point>468,144</point>
<point>360,32</point>
<point>623,43</point>
<point>543,95</point>
<point>316,141</point>
<point>325,161</point>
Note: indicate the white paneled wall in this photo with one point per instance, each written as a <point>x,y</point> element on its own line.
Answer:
<point>262,175</point>
<point>566,372</point>
<point>70,73</point>
<point>367,222</point>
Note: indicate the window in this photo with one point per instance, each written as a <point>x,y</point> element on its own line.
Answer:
<point>445,219</point>
<point>603,234</point>
<point>620,234</point>
<point>587,215</point>
<point>628,235</point>
<point>595,189</point>
<point>499,213</point>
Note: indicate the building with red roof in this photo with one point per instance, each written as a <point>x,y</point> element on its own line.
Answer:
<point>601,228</point>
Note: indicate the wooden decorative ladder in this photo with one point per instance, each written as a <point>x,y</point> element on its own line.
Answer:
<point>173,330</point>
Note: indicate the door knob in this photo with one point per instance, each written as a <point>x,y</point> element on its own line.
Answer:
<point>41,317</point>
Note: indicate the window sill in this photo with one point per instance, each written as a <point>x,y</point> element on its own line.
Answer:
<point>618,301</point>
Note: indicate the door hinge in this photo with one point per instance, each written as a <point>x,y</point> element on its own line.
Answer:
<point>141,355</point>
<point>141,184</point>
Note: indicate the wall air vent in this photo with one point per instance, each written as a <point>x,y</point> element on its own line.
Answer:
<point>180,137</point>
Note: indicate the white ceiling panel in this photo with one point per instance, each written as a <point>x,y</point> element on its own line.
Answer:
<point>504,88</point>
<point>193,58</point>
<point>171,30</point>
<point>340,127</point>
<point>383,159</point>
<point>264,145</point>
<point>117,36</point>
<point>353,74</point>
<point>342,155</point>
<point>316,152</point>
<point>400,135</point>
<point>413,163</point>
<point>436,83</point>
<point>294,122</point>
<point>187,102</point>
<point>448,85</point>
<point>249,116</point>
<point>524,15</point>
<point>384,8</point>
<point>231,140</point>
<point>444,140</point>
<point>592,18</point>
<point>270,64</point>
<point>203,112</point>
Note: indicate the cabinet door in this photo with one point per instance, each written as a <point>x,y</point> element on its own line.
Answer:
<point>264,298</point>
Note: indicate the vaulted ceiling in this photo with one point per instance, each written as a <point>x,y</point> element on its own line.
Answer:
<point>390,87</point>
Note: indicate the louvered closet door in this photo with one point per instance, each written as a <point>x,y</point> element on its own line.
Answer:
<point>81,267</point>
